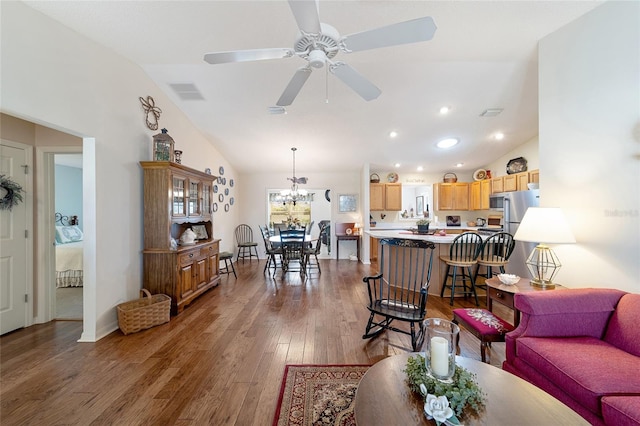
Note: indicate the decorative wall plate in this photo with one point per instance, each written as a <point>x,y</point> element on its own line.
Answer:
<point>348,231</point>
<point>480,174</point>
<point>392,177</point>
<point>207,171</point>
<point>231,182</point>
<point>220,197</point>
<point>517,165</point>
<point>219,178</point>
<point>226,207</point>
<point>215,207</point>
<point>215,188</point>
<point>226,191</point>
<point>224,181</point>
<point>221,170</point>
<point>231,200</point>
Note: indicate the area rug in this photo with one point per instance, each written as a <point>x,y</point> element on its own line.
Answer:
<point>318,395</point>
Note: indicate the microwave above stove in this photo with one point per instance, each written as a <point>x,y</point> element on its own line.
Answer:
<point>496,202</point>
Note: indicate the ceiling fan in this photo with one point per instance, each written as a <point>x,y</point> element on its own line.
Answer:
<point>318,43</point>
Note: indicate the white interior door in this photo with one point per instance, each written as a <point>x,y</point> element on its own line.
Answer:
<point>14,240</point>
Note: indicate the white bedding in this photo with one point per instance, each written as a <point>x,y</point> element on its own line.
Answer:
<point>69,264</point>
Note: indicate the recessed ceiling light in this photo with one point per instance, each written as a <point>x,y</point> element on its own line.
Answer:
<point>420,168</point>
<point>393,134</point>
<point>397,165</point>
<point>499,136</point>
<point>459,164</point>
<point>444,110</point>
<point>447,143</point>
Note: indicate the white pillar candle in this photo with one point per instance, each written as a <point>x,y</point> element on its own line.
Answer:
<point>439,356</point>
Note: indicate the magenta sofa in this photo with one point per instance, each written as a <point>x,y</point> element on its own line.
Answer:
<point>583,347</point>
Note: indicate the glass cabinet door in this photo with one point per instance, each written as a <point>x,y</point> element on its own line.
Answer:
<point>178,196</point>
<point>206,199</point>
<point>194,199</point>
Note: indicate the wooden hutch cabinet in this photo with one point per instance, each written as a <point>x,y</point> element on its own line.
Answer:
<point>176,198</point>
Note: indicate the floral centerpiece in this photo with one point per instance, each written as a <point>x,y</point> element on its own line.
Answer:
<point>444,401</point>
<point>293,222</point>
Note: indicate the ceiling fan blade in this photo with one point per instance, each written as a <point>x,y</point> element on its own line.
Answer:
<point>355,81</point>
<point>294,87</point>
<point>421,29</point>
<point>306,14</point>
<point>247,55</point>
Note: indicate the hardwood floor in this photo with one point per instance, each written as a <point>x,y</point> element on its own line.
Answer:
<point>220,362</point>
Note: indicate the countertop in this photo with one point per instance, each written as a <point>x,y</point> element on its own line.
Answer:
<point>403,234</point>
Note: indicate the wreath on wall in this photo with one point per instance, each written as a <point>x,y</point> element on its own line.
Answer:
<point>12,193</point>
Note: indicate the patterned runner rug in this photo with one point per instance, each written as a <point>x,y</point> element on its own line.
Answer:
<point>318,395</point>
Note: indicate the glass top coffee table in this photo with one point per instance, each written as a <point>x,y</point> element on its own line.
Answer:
<point>384,398</point>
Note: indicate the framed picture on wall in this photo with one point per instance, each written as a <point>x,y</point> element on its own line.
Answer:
<point>419,205</point>
<point>347,203</point>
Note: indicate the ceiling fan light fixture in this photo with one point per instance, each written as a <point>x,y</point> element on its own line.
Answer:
<point>317,58</point>
<point>447,143</point>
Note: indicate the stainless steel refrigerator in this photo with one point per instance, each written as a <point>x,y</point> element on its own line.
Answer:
<point>515,205</point>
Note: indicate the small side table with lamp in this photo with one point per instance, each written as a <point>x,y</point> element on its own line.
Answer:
<point>543,226</point>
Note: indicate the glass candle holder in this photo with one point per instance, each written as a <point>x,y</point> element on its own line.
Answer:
<point>440,348</point>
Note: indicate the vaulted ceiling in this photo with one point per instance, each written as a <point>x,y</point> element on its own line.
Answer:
<point>483,56</point>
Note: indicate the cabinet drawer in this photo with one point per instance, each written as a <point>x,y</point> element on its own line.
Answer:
<point>187,258</point>
<point>500,296</point>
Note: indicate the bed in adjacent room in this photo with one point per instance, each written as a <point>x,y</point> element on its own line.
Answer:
<point>68,252</point>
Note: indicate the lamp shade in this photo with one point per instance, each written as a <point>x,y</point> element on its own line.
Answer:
<point>544,225</point>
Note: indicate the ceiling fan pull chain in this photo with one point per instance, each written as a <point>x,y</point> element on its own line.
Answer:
<point>326,77</point>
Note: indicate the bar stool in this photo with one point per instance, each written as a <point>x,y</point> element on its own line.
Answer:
<point>463,254</point>
<point>494,253</point>
<point>228,261</point>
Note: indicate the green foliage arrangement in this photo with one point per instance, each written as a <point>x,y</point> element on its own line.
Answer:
<point>462,393</point>
<point>423,221</point>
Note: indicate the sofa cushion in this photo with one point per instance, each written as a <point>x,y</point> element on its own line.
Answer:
<point>621,410</point>
<point>586,368</point>
<point>623,330</point>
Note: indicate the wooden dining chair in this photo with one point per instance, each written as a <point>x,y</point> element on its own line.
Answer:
<point>292,243</point>
<point>246,246</point>
<point>399,291</point>
<point>313,250</point>
<point>273,252</point>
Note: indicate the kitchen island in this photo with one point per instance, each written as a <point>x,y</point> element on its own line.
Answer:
<point>442,242</point>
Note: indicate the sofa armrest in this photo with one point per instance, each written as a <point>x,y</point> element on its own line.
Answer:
<point>563,313</point>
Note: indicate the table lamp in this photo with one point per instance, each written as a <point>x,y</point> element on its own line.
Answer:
<point>544,226</point>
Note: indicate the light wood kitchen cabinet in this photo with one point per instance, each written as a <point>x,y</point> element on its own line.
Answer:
<point>522,181</point>
<point>451,196</point>
<point>497,185</point>
<point>534,176</point>
<point>385,196</point>
<point>510,183</point>
<point>479,194</point>
<point>176,198</point>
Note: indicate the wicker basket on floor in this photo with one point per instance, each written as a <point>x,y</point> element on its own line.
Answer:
<point>146,312</point>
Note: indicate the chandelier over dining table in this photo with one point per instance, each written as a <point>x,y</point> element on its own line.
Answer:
<point>295,194</point>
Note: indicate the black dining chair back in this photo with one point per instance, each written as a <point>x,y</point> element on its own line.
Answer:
<point>313,250</point>
<point>399,291</point>
<point>292,243</point>
<point>273,252</point>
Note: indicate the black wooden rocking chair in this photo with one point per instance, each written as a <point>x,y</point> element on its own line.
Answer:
<point>399,291</point>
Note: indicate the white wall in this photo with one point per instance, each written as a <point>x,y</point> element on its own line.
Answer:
<point>529,150</point>
<point>55,77</point>
<point>590,143</point>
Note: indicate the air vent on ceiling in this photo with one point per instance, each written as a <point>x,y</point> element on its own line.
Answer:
<point>277,110</point>
<point>187,91</point>
<point>491,112</point>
